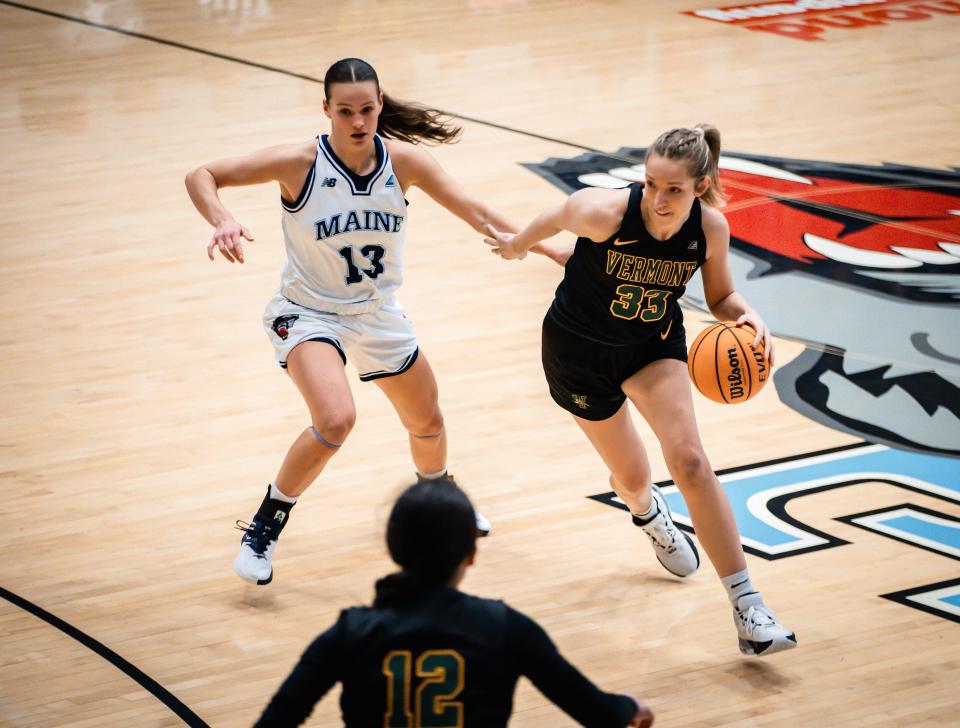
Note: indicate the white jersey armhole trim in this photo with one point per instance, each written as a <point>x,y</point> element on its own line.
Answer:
<point>298,204</point>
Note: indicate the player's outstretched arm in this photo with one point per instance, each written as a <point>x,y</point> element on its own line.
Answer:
<point>311,679</point>
<point>588,213</point>
<point>417,167</point>
<point>288,164</point>
<point>538,658</point>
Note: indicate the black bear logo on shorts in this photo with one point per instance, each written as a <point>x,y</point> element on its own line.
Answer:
<point>283,324</point>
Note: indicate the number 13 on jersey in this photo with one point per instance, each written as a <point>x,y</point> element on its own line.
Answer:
<point>441,679</point>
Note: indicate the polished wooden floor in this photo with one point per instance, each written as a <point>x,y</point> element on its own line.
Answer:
<point>143,412</point>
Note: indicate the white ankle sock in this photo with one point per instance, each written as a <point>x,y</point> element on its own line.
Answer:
<point>433,476</point>
<point>737,585</point>
<point>277,494</point>
<point>650,512</point>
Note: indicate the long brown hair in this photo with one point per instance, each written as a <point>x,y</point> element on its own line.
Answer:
<point>700,148</point>
<point>403,120</point>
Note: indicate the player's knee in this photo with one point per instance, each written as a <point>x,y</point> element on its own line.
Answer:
<point>335,426</point>
<point>428,425</point>
<point>689,466</point>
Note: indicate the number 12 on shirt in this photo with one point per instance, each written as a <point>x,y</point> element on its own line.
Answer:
<point>440,676</point>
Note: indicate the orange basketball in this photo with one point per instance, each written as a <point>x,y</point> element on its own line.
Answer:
<point>724,367</point>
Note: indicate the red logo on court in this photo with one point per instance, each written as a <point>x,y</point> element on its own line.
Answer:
<point>812,19</point>
<point>892,229</point>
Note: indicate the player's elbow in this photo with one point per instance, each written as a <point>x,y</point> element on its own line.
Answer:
<point>190,179</point>
<point>195,177</point>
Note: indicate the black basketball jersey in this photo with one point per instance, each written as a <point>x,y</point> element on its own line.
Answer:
<point>625,288</point>
<point>446,659</point>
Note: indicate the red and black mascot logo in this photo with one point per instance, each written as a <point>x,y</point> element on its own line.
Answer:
<point>283,324</point>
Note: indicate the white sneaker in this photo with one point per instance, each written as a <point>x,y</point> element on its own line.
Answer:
<point>674,548</point>
<point>483,525</point>
<point>758,629</point>
<point>254,563</point>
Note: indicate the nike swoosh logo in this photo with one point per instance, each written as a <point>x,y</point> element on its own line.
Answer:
<point>618,241</point>
<point>665,334</point>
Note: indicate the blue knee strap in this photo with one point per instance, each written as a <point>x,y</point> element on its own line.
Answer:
<point>320,439</point>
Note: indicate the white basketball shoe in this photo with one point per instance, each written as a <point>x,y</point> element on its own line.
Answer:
<point>759,631</point>
<point>675,550</point>
<point>254,563</point>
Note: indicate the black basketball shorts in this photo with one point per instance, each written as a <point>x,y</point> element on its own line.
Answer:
<point>585,376</point>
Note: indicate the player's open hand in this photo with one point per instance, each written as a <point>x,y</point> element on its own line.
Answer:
<point>763,336</point>
<point>228,238</point>
<point>503,244</point>
<point>644,716</point>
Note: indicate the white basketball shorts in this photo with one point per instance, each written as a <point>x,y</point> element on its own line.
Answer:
<point>380,343</point>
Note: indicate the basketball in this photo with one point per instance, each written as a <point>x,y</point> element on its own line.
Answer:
<point>724,367</point>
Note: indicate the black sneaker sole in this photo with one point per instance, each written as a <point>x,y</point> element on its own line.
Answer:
<point>769,647</point>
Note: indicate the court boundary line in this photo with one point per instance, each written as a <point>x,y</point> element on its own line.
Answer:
<point>314,79</point>
<point>264,67</point>
<point>127,668</point>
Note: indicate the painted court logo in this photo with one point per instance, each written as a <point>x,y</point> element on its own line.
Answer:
<point>813,20</point>
<point>759,495</point>
<point>860,263</point>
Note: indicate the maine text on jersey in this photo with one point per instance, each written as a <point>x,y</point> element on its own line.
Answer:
<point>358,220</point>
<point>637,269</point>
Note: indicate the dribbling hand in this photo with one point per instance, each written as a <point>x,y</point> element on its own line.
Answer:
<point>644,716</point>
<point>503,244</point>
<point>763,338</point>
<point>227,238</point>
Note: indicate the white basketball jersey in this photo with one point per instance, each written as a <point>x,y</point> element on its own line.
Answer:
<point>344,235</point>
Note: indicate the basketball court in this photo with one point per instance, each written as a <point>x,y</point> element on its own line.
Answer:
<point>144,412</point>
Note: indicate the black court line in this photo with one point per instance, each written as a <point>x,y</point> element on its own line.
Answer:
<point>903,597</point>
<point>265,67</point>
<point>131,671</point>
<point>314,79</point>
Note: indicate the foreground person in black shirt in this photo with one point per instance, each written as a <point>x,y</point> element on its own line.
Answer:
<point>426,654</point>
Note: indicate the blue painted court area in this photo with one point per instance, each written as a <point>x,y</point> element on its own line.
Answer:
<point>750,492</point>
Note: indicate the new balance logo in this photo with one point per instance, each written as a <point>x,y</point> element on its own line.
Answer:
<point>693,245</point>
<point>391,182</point>
<point>329,182</point>
<point>580,400</point>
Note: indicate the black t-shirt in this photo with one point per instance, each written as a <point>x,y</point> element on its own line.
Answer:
<point>444,659</point>
<point>622,290</point>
